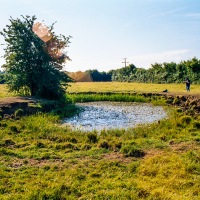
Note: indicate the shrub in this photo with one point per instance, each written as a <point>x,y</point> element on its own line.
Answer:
<point>48,105</point>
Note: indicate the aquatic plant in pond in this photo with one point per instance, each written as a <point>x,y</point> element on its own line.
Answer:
<point>111,115</point>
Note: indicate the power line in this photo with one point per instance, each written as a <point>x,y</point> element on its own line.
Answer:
<point>125,62</point>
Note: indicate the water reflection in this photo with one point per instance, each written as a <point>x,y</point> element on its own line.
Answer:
<point>110,115</point>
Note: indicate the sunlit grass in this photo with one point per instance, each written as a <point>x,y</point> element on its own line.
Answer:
<point>130,87</point>
<point>39,159</point>
<point>4,91</point>
<point>118,87</point>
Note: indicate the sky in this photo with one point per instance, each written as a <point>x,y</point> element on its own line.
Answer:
<point>104,32</point>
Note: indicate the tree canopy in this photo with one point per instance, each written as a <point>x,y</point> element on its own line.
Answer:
<point>34,57</point>
<point>160,72</point>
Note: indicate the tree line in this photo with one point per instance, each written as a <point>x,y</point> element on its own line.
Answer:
<point>158,73</point>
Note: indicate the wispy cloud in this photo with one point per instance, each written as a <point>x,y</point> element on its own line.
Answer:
<point>146,60</point>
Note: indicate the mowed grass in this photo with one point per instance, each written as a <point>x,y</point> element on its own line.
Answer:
<point>130,87</point>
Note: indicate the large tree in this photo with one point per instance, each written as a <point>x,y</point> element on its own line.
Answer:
<point>34,58</point>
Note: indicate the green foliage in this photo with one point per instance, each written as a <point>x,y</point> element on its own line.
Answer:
<point>99,76</point>
<point>31,68</point>
<point>160,73</point>
<point>2,78</point>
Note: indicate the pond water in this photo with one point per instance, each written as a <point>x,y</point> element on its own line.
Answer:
<point>112,115</point>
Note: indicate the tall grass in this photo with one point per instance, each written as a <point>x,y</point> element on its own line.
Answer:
<point>40,159</point>
<point>107,97</point>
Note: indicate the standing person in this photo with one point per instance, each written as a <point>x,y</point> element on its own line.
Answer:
<point>187,83</point>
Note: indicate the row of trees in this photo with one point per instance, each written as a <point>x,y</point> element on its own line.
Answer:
<point>97,76</point>
<point>161,73</point>
<point>158,73</point>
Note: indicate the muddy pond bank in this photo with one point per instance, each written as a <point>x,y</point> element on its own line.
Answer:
<point>112,115</point>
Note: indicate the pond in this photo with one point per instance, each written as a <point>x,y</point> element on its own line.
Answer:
<point>112,115</point>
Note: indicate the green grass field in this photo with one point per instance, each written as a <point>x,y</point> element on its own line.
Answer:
<point>119,87</point>
<point>40,159</point>
<point>130,87</point>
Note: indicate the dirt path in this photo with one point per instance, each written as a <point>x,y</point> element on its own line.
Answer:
<point>7,101</point>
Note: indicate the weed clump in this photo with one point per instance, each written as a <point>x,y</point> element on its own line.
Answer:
<point>8,142</point>
<point>14,129</point>
<point>104,144</point>
<point>86,147</point>
<point>196,124</point>
<point>185,119</point>
<point>132,151</point>
<point>92,137</point>
<point>39,145</point>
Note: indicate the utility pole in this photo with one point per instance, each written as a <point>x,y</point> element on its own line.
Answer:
<point>125,61</point>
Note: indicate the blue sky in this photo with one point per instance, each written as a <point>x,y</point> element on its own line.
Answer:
<point>106,31</point>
